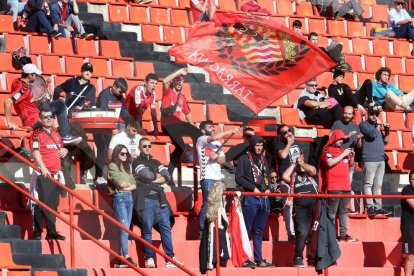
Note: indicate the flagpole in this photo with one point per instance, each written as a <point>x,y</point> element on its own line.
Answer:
<point>229,137</point>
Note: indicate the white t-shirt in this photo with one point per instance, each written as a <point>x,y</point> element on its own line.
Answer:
<point>139,96</point>
<point>395,16</point>
<point>209,169</point>
<point>130,143</point>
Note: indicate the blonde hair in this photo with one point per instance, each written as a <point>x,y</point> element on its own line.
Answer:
<point>215,200</point>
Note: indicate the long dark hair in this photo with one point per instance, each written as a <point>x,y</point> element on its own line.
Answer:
<point>115,158</point>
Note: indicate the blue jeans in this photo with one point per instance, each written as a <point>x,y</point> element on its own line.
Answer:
<point>16,7</point>
<point>154,214</point>
<point>58,108</point>
<point>404,31</point>
<point>255,212</point>
<point>38,22</point>
<point>122,204</point>
<point>206,185</point>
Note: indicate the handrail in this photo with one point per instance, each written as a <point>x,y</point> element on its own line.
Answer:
<point>100,212</point>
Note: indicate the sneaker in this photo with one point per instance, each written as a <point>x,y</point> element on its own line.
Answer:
<point>371,211</point>
<point>87,36</point>
<point>100,181</point>
<point>149,263</point>
<point>119,264</point>
<point>54,236</point>
<point>70,140</point>
<point>292,238</point>
<point>249,263</point>
<point>263,263</point>
<point>352,212</point>
<point>169,264</point>
<point>298,262</point>
<point>347,238</point>
<point>129,259</point>
<point>381,211</point>
<point>55,34</point>
<point>146,1</point>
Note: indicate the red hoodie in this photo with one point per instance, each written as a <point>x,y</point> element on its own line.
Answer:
<point>334,178</point>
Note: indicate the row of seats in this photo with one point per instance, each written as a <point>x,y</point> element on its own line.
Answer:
<point>183,4</point>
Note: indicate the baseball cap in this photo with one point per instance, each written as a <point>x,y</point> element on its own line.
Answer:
<point>87,67</point>
<point>30,68</point>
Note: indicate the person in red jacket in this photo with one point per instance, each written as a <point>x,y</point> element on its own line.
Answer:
<point>335,164</point>
<point>202,10</point>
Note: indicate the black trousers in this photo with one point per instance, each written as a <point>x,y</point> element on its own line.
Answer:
<point>102,143</point>
<point>303,210</point>
<point>48,194</point>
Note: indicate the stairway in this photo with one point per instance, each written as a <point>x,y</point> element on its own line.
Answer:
<point>29,252</point>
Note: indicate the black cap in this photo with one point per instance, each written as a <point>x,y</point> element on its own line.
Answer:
<point>374,110</point>
<point>338,72</point>
<point>87,67</point>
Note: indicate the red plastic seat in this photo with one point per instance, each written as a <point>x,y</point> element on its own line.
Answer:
<point>6,24</point>
<point>143,68</point>
<point>227,6</point>
<point>122,68</point>
<point>167,3</point>
<point>345,43</point>
<point>62,46</point>
<point>364,76</point>
<point>355,62</point>
<point>51,65</point>
<point>290,117</point>
<point>405,161</point>
<point>393,141</point>
<point>39,44</point>
<point>13,41</point>
<point>86,48</point>
<point>396,120</point>
<point>407,140</point>
<point>280,20</point>
<point>217,113</point>
<point>395,64</point>
<point>372,63</point>
<point>268,4</point>
<point>6,261</point>
<point>179,18</point>
<point>361,46</point>
<point>73,64</point>
<point>304,9</point>
<point>138,15</point>
<point>409,65</point>
<point>293,96</point>
<point>172,35</point>
<point>100,67</point>
<point>337,27</point>
<point>391,161</point>
<point>6,63</point>
<point>150,33</point>
<point>405,83</point>
<point>159,16</point>
<point>382,47</point>
<point>109,48</point>
<point>198,112</point>
<point>356,29</point>
<point>379,13</point>
<point>317,25</point>
<point>284,7</point>
<point>117,13</point>
<point>402,48</point>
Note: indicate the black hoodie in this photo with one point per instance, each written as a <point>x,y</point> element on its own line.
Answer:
<point>244,172</point>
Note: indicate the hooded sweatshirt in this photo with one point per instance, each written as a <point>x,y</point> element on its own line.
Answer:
<point>335,178</point>
<point>252,168</point>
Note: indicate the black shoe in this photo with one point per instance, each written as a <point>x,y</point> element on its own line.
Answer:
<point>129,259</point>
<point>71,140</point>
<point>55,34</point>
<point>263,263</point>
<point>249,263</point>
<point>371,211</point>
<point>347,238</point>
<point>298,262</point>
<point>54,236</point>
<point>292,238</point>
<point>381,211</point>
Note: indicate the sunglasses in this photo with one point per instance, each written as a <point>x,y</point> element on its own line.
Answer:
<point>48,117</point>
<point>285,132</point>
<point>122,153</point>
<point>273,177</point>
<point>399,3</point>
<point>312,85</point>
<point>146,146</point>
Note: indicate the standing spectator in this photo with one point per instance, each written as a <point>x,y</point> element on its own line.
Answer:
<point>303,208</point>
<point>16,7</point>
<point>120,184</point>
<point>202,10</point>
<point>315,108</point>
<point>387,95</point>
<point>47,147</point>
<point>400,21</point>
<point>335,164</point>
<point>21,99</point>
<point>109,98</point>
<point>251,174</point>
<point>344,95</point>
<point>375,135</point>
<point>151,203</point>
<point>37,18</point>
<point>407,226</point>
<point>210,157</point>
<point>350,8</point>
<point>66,14</point>
<point>173,104</point>
<point>287,150</point>
<point>140,98</point>
<point>277,186</point>
<point>129,138</point>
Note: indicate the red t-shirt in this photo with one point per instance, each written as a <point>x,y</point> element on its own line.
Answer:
<point>24,107</point>
<point>40,140</point>
<point>137,96</point>
<point>169,98</point>
<point>336,178</point>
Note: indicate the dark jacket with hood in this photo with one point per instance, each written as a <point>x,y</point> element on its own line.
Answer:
<point>252,168</point>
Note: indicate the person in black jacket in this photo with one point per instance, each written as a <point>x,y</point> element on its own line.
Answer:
<point>150,202</point>
<point>252,174</point>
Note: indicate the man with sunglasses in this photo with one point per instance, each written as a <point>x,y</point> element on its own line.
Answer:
<point>129,138</point>
<point>400,21</point>
<point>48,149</point>
<point>287,150</point>
<point>375,136</point>
<point>150,202</point>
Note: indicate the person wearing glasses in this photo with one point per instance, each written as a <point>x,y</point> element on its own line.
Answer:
<point>150,202</point>
<point>129,138</point>
<point>286,149</point>
<point>120,184</point>
<point>315,108</point>
<point>375,136</point>
<point>48,148</point>
<point>400,21</point>
<point>388,96</point>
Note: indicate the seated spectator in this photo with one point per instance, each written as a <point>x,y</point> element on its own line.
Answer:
<point>66,14</point>
<point>343,94</point>
<point>141,97</point>
<point>203,10</point>
<point>16,7</point>
<point>129,138</point>
<point>315,108</point>
<point>332,8</point>
<point>253,6</point>
<point>297,26</point>
<point>400,21</point>
<point>387,95</point>
<point>333,50</point>
<point>37,18</point>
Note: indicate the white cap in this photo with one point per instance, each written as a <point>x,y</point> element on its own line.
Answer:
<point>30,68</point>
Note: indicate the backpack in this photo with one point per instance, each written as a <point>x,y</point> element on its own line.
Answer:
<point>20,58</point>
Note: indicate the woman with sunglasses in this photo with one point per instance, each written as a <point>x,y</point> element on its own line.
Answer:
<point>400,21</point>
<point>120,184</point>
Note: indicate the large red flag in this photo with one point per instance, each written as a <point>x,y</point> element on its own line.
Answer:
<point>257,60</point>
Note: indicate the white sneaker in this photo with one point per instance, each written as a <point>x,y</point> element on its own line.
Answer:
<point>100,181</point>
<point>169,264</point>
<point>149,263</point>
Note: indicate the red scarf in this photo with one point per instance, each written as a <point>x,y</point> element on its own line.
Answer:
<point>63,11</point>
<point>255,168</point>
